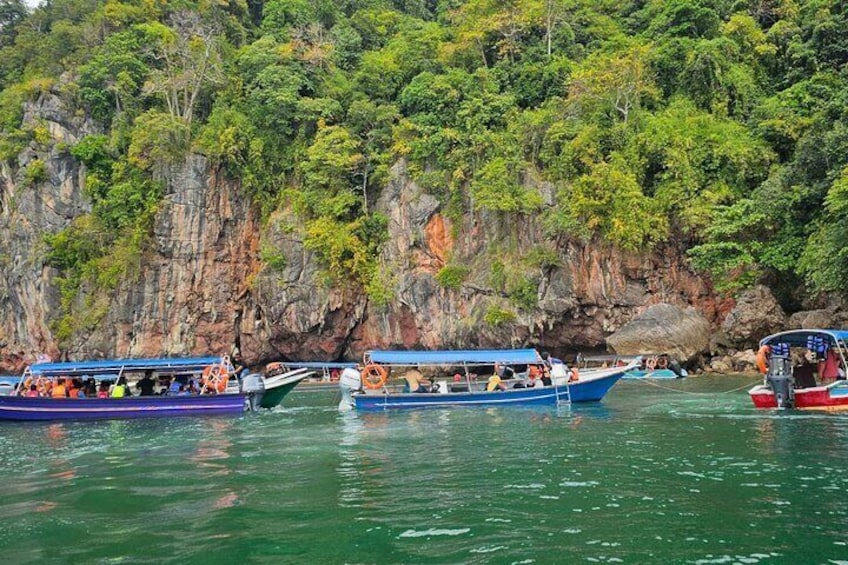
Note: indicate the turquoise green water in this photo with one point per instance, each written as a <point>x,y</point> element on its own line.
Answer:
<point>647,476</point>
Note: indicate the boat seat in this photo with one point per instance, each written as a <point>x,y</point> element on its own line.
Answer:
<point>804,376</point>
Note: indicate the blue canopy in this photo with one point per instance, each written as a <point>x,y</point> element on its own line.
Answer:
<point>116,366</point>
<point>475,357</point>
<point>799,337</point>
<point>317,365</point>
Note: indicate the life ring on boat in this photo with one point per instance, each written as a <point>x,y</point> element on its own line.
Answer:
<point>275,368</point>
<point>662,363</point>
<point>575,375</point>
<point>374,376</point>
<point>651,363</point>
<point>215,378</point>
<point>762,358</point>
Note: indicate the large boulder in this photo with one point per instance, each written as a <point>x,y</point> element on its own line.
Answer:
<point>821,318</point>
<point>663,328</point>
<point>756,315</point>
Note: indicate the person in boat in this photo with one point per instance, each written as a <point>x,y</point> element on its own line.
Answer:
<point>175,388</point>
<point>829,367</point>
<point>59,390</point>
<point>804,372</point>
<point>413,382</point>
<point>239,367</point>
<point>103,392</point>
<point>120,389</point>
<point>494,384</point>
<point>90,387</point>
<point>33,391</point>
<point>545,376</point>
<point>534,376</point>
<point>146,384</point>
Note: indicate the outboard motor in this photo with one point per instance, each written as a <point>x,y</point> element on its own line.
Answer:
<point>779,378</point>
<point>253,385</point>
<point>349,382</point>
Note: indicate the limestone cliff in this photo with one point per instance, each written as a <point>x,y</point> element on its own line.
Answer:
<point>203,288</point>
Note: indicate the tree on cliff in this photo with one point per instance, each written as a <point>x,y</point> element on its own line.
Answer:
<point>189,60</point>
<point>718,126</point>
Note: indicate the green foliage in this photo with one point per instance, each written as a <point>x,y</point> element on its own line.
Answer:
<point>380,287</point>
<point>608,200</point>
<point>273,257</point>
<point>111,81</point>
<point>452,276</point>
<point>825,257</point>
<point>226,138</point>
<point>12,138</point>
<point>158,138</point>
<point>497,186</point>
<point>35,172</point>
<point>717,126</point>
<point>497,316</point>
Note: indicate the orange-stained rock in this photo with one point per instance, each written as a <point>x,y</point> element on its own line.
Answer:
<point>438,239</point>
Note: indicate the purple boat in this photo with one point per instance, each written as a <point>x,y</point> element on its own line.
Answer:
<point>214,399</point>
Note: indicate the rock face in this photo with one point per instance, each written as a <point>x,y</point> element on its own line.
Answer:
<point>756,315</point>
<point>664,328</point>
<point>204,287</point>
<point>737,362</point>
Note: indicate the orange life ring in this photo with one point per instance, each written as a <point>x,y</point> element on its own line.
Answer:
<point>662,363</point>
<point>575,375</point>
<point>762,358</point>
<point>215,378</point>
<point>651,363</point>
<point>374,376</point>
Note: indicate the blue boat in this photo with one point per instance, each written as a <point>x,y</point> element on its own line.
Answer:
<point>648,366</point>
<point>212,371</point>
<point>372,390</point>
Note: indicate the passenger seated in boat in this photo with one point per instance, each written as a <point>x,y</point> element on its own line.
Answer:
<point>104,390</point>
<point>33,391</point>
<point>176,387</point>
<point>413,383</point>
<point>90,388</point>
<point>546,376</point>
<point>120,389</point>
<point>494,384</point>
<point>534,376</point>
<point>804,372</point>
<point>146,384</point>
<point>59,390</point>
<point>829,367</point>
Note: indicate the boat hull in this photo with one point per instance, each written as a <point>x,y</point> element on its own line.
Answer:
<point>824,398</point>
<point>589,390</point>
<point>39,409</point>
<point>655,374</point>
<point>274,394</point>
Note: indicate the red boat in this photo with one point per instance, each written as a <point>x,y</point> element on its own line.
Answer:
<point>803,369</point>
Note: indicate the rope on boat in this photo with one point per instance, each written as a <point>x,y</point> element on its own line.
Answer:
<point>650,382</point>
